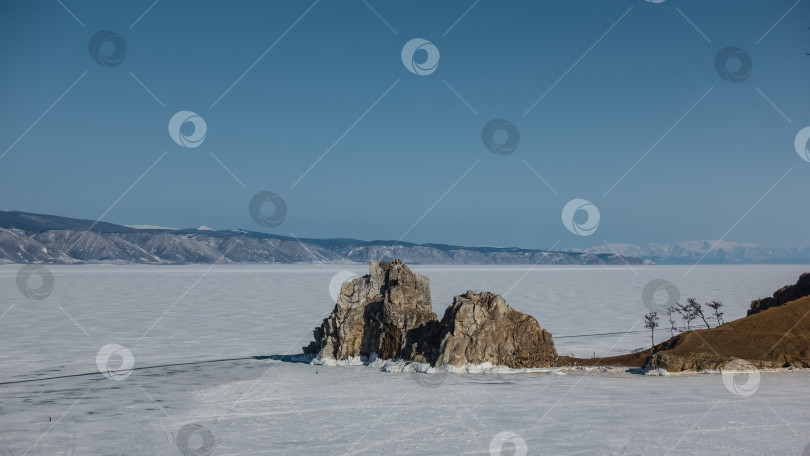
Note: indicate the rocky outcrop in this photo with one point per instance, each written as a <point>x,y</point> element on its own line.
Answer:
<point>482,328</point>
<point>376,315</point>
<point>388,313</point>
<point>783,295</point>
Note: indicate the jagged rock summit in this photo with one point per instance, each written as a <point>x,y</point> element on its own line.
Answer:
<point>388,314</point>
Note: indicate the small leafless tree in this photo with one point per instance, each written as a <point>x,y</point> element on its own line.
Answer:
<point>651,322</point>
<point>687,313</point>
<point>672,310</point>
<point>716,305</point>
<point>697,310</point>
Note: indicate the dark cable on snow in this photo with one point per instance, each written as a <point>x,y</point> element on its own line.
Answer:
<point>600,334</point>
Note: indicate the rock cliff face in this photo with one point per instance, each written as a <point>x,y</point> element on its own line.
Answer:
<point>783,295</point>
<point>375,313</point>
<point>388,313</point>
<point>481,327</point>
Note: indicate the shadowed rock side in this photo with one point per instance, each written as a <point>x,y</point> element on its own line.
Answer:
<point>783,295</point>
<point>388,313</point>
<point>481,327</point>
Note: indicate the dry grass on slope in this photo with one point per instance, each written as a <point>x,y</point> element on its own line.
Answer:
<point>776,337</point>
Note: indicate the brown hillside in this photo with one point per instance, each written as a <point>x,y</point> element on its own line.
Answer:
<point>638,359</point>
<point>775,337</point>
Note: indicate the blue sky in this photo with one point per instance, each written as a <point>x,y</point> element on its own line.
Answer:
<point>616,78</point>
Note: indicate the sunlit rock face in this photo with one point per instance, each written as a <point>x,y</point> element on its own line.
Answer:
<point>482,328</point>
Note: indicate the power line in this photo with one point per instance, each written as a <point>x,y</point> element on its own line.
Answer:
<point>600,334</point>
<point>290,358</point>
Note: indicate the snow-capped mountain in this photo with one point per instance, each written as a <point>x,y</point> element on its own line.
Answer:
<point>37,238</point>
<point>707,252</point>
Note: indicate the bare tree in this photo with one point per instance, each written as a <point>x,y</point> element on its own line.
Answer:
<point>716,305</point>
<point>651,322</point>
<point>687,313</point>
<point>697,310</point>
<point>671,310</point>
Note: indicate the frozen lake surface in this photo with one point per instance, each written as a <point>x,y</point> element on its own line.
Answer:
<point>217,319</point>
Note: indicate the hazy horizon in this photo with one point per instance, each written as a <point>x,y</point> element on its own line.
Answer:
<point>596,246</point>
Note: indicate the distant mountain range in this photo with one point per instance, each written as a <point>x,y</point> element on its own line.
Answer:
<point>711,252</point>
<point>37,238</point>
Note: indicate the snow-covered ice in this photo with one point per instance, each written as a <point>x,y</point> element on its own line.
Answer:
<point>203,326</point>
